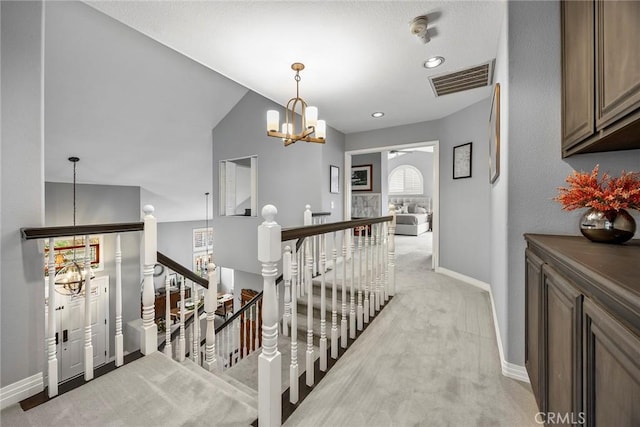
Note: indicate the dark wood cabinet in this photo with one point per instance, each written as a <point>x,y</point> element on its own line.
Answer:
<point>582,329</point>
<point>533,320</point>
<point>563,339</point>
<point>600,76</point>
<point>613,370</point>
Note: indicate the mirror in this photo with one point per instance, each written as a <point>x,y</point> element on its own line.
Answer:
<point>238,186</point>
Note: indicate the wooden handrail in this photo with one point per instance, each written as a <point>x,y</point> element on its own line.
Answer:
<point>315,214</point>
<point>311,230</point>
<point>182,270</point>
<point>79,230</point>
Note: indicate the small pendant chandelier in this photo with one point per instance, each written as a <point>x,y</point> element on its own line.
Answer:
<point>310,124</point>
<point>71,277</point>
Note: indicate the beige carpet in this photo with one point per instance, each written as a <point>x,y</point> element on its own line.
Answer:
<point>431,359</point>
<point>152,391</point>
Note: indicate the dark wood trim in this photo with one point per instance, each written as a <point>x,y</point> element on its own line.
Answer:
<point>312,230</point>
<point>315,214</point>
<point>180,269</point>
<point>79,230</point>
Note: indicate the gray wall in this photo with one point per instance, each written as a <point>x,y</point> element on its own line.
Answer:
<point>112,89</point>
<point>22,194</point>
<point>423,161</point>
<point>288,177</point>
<point>175,240</point>
<point>464,246</point>
<point>103,204</point>
<point>535,166</point>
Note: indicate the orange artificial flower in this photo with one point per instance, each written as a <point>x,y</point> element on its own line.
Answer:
<point>605,194</point>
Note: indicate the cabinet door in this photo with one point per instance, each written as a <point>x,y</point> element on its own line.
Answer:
<point>618,60</point>
<point>563,333</point>
<point>533,324</point>
<point>612,367</point>
<point>577,72</point>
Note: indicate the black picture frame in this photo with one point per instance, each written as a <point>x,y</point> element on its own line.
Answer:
<point>361,178</point>
<point>462,155</point>
<point>334,179</point>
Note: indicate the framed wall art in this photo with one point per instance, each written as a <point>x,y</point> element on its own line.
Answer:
<point>494,136</point>
<point>361,177</point>
<point>334,179</point>
<point>462,161</point>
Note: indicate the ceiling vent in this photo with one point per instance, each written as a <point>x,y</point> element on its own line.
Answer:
<point>469,78</point>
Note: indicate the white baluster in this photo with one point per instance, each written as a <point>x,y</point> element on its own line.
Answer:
<point>168,349</point>
<point>119,339</point>
<point>257,331</point>
<point>229,352</point>
<point>323,303</point>
<point>334,300</point>
<point>246,320</point>
<point>88,346</point>
<point>360,312</point>
<point>378,264</point>
<point>269,361</point>
<point>392,249</point>
<point>182,342</point>
<point>210,305</point>
<point>293,369</point>
<point>149,336</point>
<point>236,340</point>
<point>366,275</point>
<point>385,260</point>
<point>52,359</point>
<point>344,324</point>
<point>352,295</point>
<point>372,276</point>
<point>309,274</point>
<point>286,319</point>
<point>195,341</point>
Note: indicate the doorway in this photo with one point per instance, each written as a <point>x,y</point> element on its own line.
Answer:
<point>435,198</point>
<point>70,329</point>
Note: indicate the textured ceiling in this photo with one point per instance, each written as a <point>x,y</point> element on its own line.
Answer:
<point>360,56</point>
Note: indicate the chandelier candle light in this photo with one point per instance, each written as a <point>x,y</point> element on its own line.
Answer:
<point>310,123</point>
<point>70,279</point>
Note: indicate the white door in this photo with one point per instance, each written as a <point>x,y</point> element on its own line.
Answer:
<point>70,328</point>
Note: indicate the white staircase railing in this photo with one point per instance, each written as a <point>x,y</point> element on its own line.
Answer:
<point>365,242</point>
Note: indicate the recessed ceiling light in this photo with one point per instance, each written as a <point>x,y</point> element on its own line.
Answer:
<point>377,114</point>
<point>433,62</point>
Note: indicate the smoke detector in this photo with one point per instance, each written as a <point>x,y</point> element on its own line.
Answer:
<point>419,27</point>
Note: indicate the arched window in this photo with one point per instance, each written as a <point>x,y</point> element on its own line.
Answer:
<point>406,179</point>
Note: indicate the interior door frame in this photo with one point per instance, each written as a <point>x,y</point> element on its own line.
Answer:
<point>435,259</point>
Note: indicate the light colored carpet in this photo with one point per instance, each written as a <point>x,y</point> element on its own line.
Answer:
<point>152,391</point>
<point>429,359</point>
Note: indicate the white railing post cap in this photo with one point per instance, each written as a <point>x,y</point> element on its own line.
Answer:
<point>148,209</point>
<point>269,248</point>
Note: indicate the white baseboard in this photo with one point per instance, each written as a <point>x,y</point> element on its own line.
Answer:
<point>510,370</point>
<point>20,390</point>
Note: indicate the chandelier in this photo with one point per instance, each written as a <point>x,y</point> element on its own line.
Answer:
<point>310,124</point>
<point>70,279</point>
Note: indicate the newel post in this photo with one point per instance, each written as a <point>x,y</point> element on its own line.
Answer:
<point>269,362</point>
<point>210,305</point>
<point>307,216</point>
<point>392,251</point>
<point>149,337</point>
